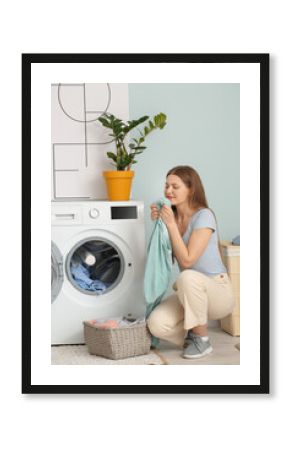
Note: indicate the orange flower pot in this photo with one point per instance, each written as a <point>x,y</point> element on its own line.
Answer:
<point>119,184</point>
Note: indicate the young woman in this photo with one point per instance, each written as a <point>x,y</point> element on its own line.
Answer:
<point>203,289</point>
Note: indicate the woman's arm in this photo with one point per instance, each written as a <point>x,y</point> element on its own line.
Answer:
<point>198,241</point>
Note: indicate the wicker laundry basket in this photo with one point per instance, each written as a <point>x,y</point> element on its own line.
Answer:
<point>117,343</point>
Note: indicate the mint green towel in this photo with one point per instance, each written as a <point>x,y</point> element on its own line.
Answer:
<point>158,265</point>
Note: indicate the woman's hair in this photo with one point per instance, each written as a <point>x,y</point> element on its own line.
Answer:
<point>192,180</point>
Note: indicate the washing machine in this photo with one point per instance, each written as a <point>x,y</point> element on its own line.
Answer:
<point>97,264</point>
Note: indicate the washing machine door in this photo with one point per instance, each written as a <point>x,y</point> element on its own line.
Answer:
<point>56,271</point>
<point>95,266</point>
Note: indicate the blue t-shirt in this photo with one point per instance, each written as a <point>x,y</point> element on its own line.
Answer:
<point>210,262</point>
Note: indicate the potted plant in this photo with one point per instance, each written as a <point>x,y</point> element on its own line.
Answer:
<point>119,180</point>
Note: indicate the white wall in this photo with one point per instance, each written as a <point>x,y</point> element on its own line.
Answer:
<point>79,141</point>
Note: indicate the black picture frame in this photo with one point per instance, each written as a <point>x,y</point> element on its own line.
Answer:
<point>263,61</point>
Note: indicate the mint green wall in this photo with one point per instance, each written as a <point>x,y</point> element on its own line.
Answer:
<point>203,131</point>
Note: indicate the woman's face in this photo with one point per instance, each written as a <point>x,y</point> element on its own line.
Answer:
<point>176,191</point>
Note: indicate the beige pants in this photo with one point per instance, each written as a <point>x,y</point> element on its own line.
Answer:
<point>199,298</point>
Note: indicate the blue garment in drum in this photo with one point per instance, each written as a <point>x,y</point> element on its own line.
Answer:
<point>82,277</point>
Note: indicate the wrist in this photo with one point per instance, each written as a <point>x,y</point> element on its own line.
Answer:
<point>171,225</point>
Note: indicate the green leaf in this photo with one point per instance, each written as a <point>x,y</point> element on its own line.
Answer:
<point>119,131</point>
<point>133,123</point>
<point>138,152</point>
<point>104,122</point>
<point>112,156</point>
<point>160,120</point>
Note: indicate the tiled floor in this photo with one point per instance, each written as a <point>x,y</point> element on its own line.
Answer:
<point>224,351</point>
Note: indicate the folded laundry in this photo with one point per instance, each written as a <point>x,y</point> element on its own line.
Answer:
<point>116,322</point>
<point>81,275</point>
<point>236,240</point>
<point>127,322</point>
<point>108,324</point>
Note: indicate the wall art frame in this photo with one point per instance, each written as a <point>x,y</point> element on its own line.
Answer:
<point>251,70</point>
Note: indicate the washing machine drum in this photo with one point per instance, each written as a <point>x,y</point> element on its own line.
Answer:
<point>95,266</point>
<point>56,271</point>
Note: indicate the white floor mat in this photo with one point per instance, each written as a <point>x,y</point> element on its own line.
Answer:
<point>78,354</point>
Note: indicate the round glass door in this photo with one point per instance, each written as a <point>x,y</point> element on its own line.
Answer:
<point>56,271</point>
<point>95,266</point>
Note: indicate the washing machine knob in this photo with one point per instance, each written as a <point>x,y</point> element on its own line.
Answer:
<point>94,213</point>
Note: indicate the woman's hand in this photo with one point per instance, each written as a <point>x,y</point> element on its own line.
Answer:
<point>167,215</point>
<point>154,211</point>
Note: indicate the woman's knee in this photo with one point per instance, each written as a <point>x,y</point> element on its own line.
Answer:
<point>154,323</point>
<point>158,325</point>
